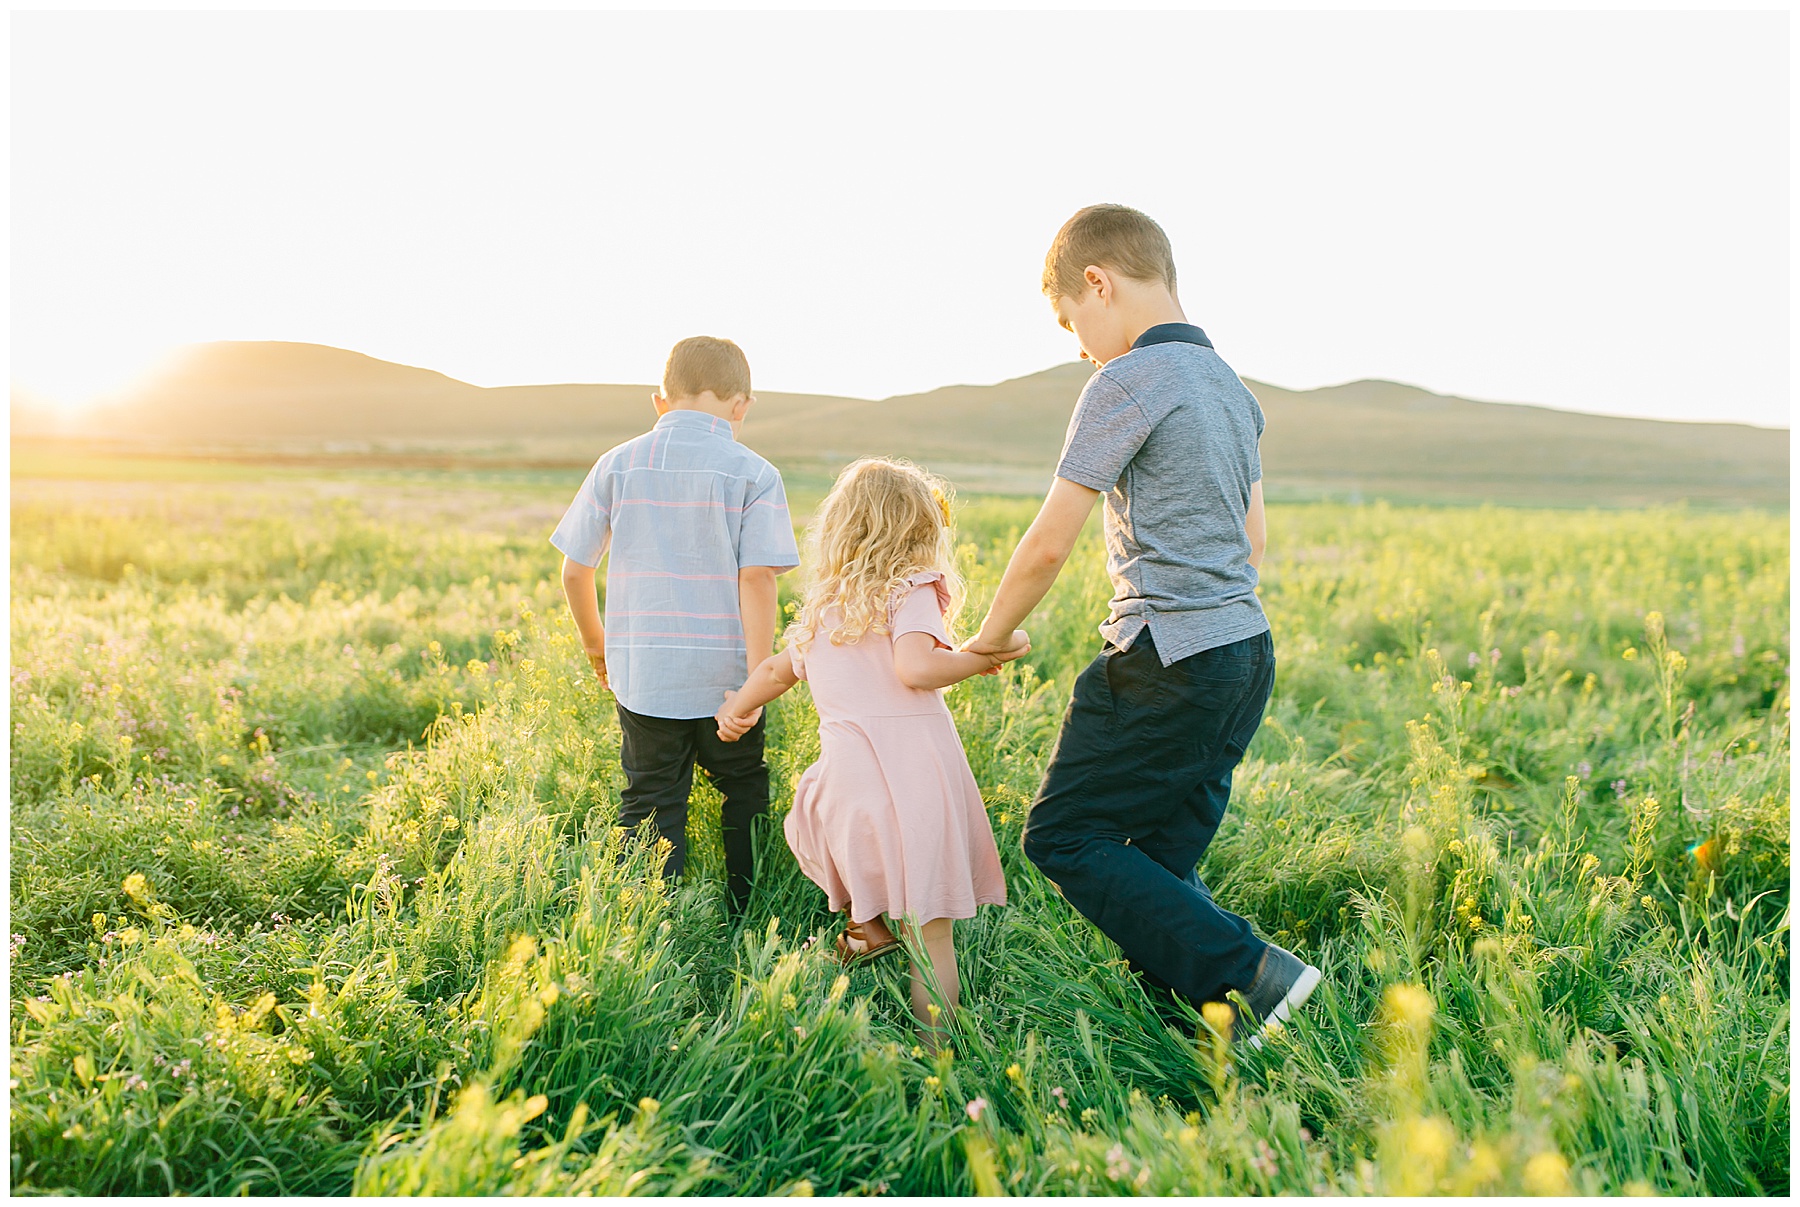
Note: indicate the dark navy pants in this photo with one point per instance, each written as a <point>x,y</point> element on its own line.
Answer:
<point>1137,786</point>
<point>659,756</point>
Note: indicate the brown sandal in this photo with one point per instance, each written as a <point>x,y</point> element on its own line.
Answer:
<point>850,957</point>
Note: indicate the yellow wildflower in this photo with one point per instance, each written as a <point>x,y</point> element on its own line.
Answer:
<point>1547,1174</point>
<point>1410,1006</point>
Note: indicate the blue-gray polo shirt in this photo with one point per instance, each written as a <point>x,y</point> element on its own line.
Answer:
<point>1169,435</point>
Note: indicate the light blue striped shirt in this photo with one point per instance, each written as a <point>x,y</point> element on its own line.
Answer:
<point>681,508</point>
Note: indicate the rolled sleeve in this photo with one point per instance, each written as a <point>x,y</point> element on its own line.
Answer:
<point>1105,433</point>
<point>766,537</point>
<point>586,526</point>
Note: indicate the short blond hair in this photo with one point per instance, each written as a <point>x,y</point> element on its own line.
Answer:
<point>884,521</point>
<point>701,363</point>
<point>1108,236</point>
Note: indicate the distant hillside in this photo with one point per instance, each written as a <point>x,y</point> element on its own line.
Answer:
<point>307,395</point>
<point>1367,438</point>
<point>1382,438</point>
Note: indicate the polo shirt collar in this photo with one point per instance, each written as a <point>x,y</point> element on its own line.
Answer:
<point>696,419</point>
<point>1172,333</point>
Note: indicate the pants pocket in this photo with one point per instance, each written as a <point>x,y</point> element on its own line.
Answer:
<point>1136,680</point>
<point>1093,692</point>
<point>1225,668</point>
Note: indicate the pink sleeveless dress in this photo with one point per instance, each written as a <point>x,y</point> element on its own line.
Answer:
<point>889,820</point>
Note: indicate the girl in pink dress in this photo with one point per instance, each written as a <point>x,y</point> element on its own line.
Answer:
<point>889,821</point>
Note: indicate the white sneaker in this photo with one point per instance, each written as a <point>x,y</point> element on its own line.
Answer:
<point>1301,989</point>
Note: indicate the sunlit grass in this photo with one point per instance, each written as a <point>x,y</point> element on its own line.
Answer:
<point>315,887</point>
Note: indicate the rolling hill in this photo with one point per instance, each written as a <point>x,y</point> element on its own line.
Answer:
<point>1364,439</point>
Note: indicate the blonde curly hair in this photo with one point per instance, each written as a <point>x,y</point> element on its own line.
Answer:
<point>884,521</point>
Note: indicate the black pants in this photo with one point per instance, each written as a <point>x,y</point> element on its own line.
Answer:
<point>659,756</point>
<point>1137,786</point>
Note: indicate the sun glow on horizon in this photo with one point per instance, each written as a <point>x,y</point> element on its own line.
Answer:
<point>86,375</point>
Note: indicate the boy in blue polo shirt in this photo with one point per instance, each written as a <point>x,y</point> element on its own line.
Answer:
<point>1141,773</point>
<point>697,526</point>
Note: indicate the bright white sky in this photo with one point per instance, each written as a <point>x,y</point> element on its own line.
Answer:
<point>1587,211</point>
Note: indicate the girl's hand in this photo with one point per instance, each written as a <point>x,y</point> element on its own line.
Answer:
<point>772,676</point>
<point>1017,646</point>
<point>731,725</point>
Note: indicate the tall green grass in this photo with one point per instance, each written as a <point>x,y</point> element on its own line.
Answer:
<point>316,889</point>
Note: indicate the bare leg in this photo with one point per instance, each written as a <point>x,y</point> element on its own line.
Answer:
<point>941,975</point>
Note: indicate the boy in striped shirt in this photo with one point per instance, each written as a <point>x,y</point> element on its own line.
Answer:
<point>697,528</point>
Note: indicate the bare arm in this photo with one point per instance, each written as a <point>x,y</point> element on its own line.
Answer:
<point>1035,564</point>
<point>772,676</point>
<point>1256,525</point>
<point>922,663</point>
<point>584,606</point>
<point>756,608</point>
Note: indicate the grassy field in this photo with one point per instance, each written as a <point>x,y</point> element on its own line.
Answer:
<point>315,888</point>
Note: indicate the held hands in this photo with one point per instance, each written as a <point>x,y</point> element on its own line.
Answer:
<point>1016,646</point>
<point>731,725</point>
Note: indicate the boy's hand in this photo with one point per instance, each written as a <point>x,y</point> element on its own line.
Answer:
<point>597,660</point>
<point>1017,646</point>
<point>1013,647</point>
<point>731,725</point>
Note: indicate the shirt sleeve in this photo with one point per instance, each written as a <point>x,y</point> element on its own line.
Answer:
<point>921,609</point>
<point>766,536</point>
<point>1105,433</point>
<point>1256,447</point>
<point>586,527</point>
